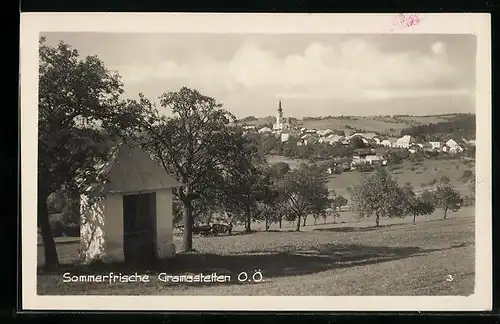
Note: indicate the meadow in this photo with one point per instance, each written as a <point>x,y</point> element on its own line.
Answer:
<point>432,257</point>
<point>420,174</point>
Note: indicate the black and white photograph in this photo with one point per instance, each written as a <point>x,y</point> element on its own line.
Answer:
<point>290,164</point>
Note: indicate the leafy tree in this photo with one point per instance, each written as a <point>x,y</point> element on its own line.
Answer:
<point>415,205</point>
<point>379,195</point>
<point>428,197</point>
<point>245,182</point>
<point>467,176</point>
<point>195,145</point>
<point>270,208</point>
<point>80,116</point>
<point>280,169</point>
<point>305,192</point>
<point>447,198</point>
<point>444,180</point>
<point>356,143</point>
<point>339,201</point>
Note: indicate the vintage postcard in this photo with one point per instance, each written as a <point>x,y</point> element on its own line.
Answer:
<point>274,162</point>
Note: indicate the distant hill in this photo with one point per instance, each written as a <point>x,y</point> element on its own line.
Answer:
<point>389,125</point>
<point>457,127</point>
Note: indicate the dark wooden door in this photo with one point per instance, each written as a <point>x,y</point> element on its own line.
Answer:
<point>139,228</point>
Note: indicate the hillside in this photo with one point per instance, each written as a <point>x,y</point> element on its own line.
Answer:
<point>392,125</point>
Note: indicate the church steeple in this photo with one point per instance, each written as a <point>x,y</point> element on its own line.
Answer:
<point>280,109</point>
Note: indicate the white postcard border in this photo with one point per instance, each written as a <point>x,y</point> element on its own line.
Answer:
<point>460,23</point>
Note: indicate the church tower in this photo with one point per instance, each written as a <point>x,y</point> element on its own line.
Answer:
<point>278,125</point>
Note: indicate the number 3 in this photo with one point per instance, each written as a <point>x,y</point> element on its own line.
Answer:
<point>449,278</point>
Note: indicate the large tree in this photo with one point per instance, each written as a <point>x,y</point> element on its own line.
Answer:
<point>194,144</point>
<point>79,114</point>
<point>379,195</point>
<point>447,198</point>
<point>305,192</point>
<point>245,182</point>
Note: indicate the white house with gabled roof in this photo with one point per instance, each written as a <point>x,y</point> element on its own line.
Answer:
<point>128,216</point>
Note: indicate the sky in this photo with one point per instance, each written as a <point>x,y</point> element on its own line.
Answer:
<point>313,74</point>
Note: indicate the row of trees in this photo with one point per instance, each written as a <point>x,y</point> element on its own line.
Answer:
<point>272,194</point>
<point>379,195</point>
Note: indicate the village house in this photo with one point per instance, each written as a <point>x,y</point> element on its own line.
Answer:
<point>428,147</point>
<point>364,135</point>
<point>310,131</point>
<point>285,137</point>
<point>404,142</point>
<point>331,139</point>
<point>436,145</point>
<point>386,143</point>
<point>249,127</point>
<point>128,217</point>
<point>375,159</point>
<point>452,147</point>
<point>344,141</point>
<point>324,132</point>
<point>265,130</point>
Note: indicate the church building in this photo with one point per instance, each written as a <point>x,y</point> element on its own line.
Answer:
<point>282,123</point>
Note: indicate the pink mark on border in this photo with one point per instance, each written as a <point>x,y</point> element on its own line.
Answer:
<point>406,20</point>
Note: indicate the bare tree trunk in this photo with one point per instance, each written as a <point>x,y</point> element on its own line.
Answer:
<point>377,220</point>
<point>305,219</point>
<point>414,216</point>
<point>298,224</point>
<point>187,243</point>
<point>248,220</point>
<point>280,221</point>
<point>49,246</point>
<point>315,219</point>
<point>267,223</point>
<point>334,218</point>
<point>445,212</point>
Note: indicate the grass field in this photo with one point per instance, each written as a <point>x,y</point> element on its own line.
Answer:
<point>333,259</point>
<point>419,174</point>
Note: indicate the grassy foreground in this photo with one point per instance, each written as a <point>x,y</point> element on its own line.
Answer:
<point>332,259</point>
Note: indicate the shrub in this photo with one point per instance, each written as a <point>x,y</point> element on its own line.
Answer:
<point>469,201</point>
<point>467,175</point>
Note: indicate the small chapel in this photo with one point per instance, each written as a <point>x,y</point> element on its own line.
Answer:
<point>282,123</point>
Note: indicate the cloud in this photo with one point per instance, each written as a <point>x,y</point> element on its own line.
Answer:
<point>352,70</point>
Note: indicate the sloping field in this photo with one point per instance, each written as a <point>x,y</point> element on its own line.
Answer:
<point>434,257</point>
